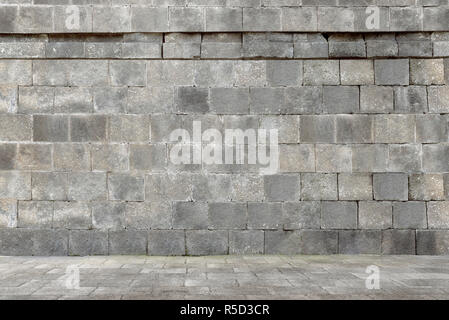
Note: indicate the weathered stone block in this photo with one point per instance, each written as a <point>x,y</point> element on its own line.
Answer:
<point>63,14</point>
<point>84,128</point>
<point>415,48</point>
<point>376,99</point>
<point>409,215</point>
<point>412,99</point>
<point>394,128</point>
<point>150,100</point>
<point>8,155</point>
<point>426,187</point>
<point>266,100</point>
<point>375,215</point>
<point>16,242</point>
<point>108,215</point>
<point>8,99</point>
<point>359,242</point>
<point>283,73</point>
<point>71,157</point>
<point>16,127</point>
<point>431,128</point>
<point>405,158</point>
<point>73,100</point>
<point>354,129</point>
<point>406,18</point>
<point>107,157</point>
<point>56,50</point>
<point>390,186</point>
<point>16,72</point>
<point>111,19</point>
<point>8,213</point>
<point>49,186</point>
<point>128,242</point>
<point>264,215</point>
<point>147,157</point>
<point>87,186</point>
<point>335,19</point>
<point>246,242</point>
<point>432,242</point>
<point>319,186</point>
<point>204,242</point>
<point>128,187</point>
<point>340,99</point>
<point>186,19</point>
<point>149,19</point>
<point>438,98</point>
<point>381,48</point>
<point>391,72</point>
<point>434,158</point>
<point>301,242</point>
<point>127,73</point>
<point>192,100</point>
<point>398,242</point>
<point>299,18</point>
<point>35,214</point>
<point>426,71</point>
<point>170,72</point>
<point>15,185</point>
<point>190,215</point>
<point>36,99</point>
<point>356,72</point>
<point>166,243</point>
<point>229,100</point>
<point>318,129</point>
<point>226,215</point>
<point>34,157</point>
<point>261,19</point>
<point>338,215</point>
<point>282,187</point>
<point>88,243</point>
<point>297,158</point>
<point>333,158</point>
<point>321,72</point>
<point>72,215</point>
<point>50,128</point>
<point>224,19</point>
<point>110,100</point>
<point>301,215</point>
<point>168,187</point>
<point>50,242</point>
<point>310,46</point>
<point>356,186</point>
<point>438,214</point>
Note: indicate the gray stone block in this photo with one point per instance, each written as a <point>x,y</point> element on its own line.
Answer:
<point>229,100</point>
<point>297,158</point>
<point>147,157</point>
<point>435,157</point>
<point>355,128</point>
<point>390,186</point>
<point>266,100</point>
<point>438,98</point>
<point>338,215</point>
<point>36,99</point>
<point>84,128</point>
<point>49,186</point>
<point>351,48</point>
<point>381,48</point>
<point>302,100</point>
<point>406,18</point>
<point>227,215</point>
<point>426,71</point>
<point>127,73</point>
<point>150,100</point>
<point>405,158</point>
<point>88,243</point>
<point>409,215</point>
<point>356,72</point>
<point>319,186</point>
<point>398,242</point>
<point>170,72</point>
<point>110,99</point>
<point>166,243</point>
<point>111,19</point>
<point>432,242</point>
<point>415,48</point>
<point>15,185</point>
<point>34,157</point>
<point>16,127</point>
<point>190,215</point>
<point>8,213</point>
<point>8,154</point>
<point>128,242</point>
<point>299,18</point>
<point>71,157</point>
<point>375,215</point>
<point>72,215</point>
<point>186,19</point>
<point>264,215</point>
<point>168,187</point>
<point>318,129</point>
<point>192,100</point>
<point>355,186</point>
<point>391,72</point>
<point>87,186</point>
<point>35,214</point>
<point>108,215</point>
<point>340,99</point>
<point>301,215</point>
<point>8,99</point>
<point>50,242</point>
<point>73,100</point>
<point>261,19</point>
<point>50,128</point>
<point>56,50</point>
<point>224,19</point>
<point>250,73</point>
<point>16,72</point>
<point>431,128</point>
<point>321,72</point>
<point>148,215</point>
<point>246,242</point>
<point>282,187</point>
<point>16,242</point>
<point>283,73</point>
<point>412,99</point>
<point>204,242</point>
<point>438,214</point>
<point>282,242</point>
<point>126,187</point>
<point>397,128</point>
<point>333,158</point>
<point>149,19</point>
<point>369,158</point>
<point>426,187</point>
<point>301,242</point>
<point>376,99</point>
<point>359,242</point>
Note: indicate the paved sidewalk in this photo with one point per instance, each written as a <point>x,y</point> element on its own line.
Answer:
<point>227,277</point>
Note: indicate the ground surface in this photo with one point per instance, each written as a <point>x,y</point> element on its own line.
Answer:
<point>228,277</point>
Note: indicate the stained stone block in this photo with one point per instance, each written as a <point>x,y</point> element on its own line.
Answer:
<point>71,157</point>
<point>250,73</point>
<point>297,158</point>
<point>412,99</point>
<point>15,185</point>
<point>355,129</point>
<point>266,100</point>
<point>50,128</point>
<point>264,215</point>
<point>8,99</point>
<point>246,242</point>
<point>434,158</point>
<point>147,157</point>
<point>126,187</point>
<point>318,129</point>
<point>333,158</point>
<point>247,187</point>
<point>88,243</point>
<point>192,100</point>
<point>426,71</point>
<point>376,99</point>
<point>129,128</point>
<point>432,242</point>
<point>190,215</point>
<point>166,243</point>
<point>375,215</point>
<point>398,242</point>
<point>36,99</point>
<point>356,186</point>
<point>34,157</point>
<point>319,186</point>
<point>356,72</point>
<point>72,215</point>
<point>405,158</point>
<point>84,128</point>
<point>348,47</point>
<point>35,214</point>
<point>50,242</point>
<point>16,127</point>
<point>301,215</point>
<point>340,99</point>
<point>73,100</point>
<point>426,187</point>
<point>110,100</point>
<point>338,215</point>
<point>16,72</point>
<point>149,19</point>
<point>224,19</point>
<point>111,19</point>
<point>283,73</point>
<point>227,215</point>
<point>11,237</point>
<point>409,215</point>
<point>108,215</point>
<point>359,242</point>
<point>8,213</point>
<point>87,186</point>
<point>394,128</point>
<point>308,47</point>
<point>168,187</point>
<point>204,242</point>
<point>299,18</point>
<point>321,72</point>
<point>391,72</point>
<point>186,19</point>
<point>8,154</point>
<point>49,186</point>
<point>128,242</point>
<point>107,157</point>
<point>381,48</point>
<point>406,18</point>
<point>150,100</point>
<point>438,214</point>
<point>261,19</point>
<point>431,128</point>
<point>282,187</point>
<point>415,48</point>
<point>438,98</point>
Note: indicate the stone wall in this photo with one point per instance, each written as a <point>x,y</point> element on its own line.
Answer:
<point>86,116</point>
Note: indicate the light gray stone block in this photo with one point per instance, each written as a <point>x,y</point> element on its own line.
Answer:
<point>321,72</point>
<point>264,216</point>
<point>186,19</point>
<point>87,186</point>
<point>8,99</point>
<point>356,72</point>
<point>110,99</point>
<point>282,187</point>
<point>168,187</point>
<point>375,215</point>
<point>34,157</point>
<point>16,127</point>
<point>166,243</point>
<point>301,215</point>
<point>8,213</point>
<point>261,19</point>
<point>71,157</point>
<point>35,214</point>
<point>376,99</point>
<point>246,242</point>
<point>36,99</point>
<point>319,186</point>
<point>426,71</point>
<point>88,243</point>
<point>224,19</point>
<point>204,242</point>
<point>73,100</point>
<point>49,186</point>
<point>127,187</point>
<point>299,18</point>
<point>438,98</point>
<point>405,158</point>
<point>15,185</point>
<point>426,187</point>
<point>409,215</point>
<point>338,215</point>
<point>108,215</point>
<point>227,215</point>
<point>435,157</point>
<point>356,186</point>
<point>438,214</point>
<point>333,158</point>
<point>318,129</point>
<point>398,128</point>
<point>72,215</point>
<point>283,73</point>
<point>431,128</point>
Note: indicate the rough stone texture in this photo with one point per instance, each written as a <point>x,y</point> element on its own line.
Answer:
<point>87,113</point>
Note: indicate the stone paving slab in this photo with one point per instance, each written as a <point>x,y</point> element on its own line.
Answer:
<point>223,277</point>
